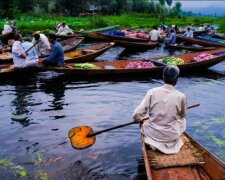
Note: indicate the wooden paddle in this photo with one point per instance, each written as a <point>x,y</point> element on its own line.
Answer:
<point>157,63</point>
<point>82,137</point>
<point>32,46</point>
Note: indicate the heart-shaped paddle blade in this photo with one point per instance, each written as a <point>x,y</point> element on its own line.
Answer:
<point>78,137</point>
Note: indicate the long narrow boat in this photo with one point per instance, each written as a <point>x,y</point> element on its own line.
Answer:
<point>84,55</point>
<point>86,33</point>
<point>118,68</point>
<point>200,42</point>
<point>5,37</point>
<point>69,44</point>
<point>64,37</point>
<point>220,36</point>
<point>192,162</point>
<point>190,48</point>
<point>5,57</point>
<point>124,38</point>
<point>211,39</point>
<point>136,45</point>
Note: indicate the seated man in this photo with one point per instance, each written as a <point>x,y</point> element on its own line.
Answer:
<point>7,28</point>
<point>56,57</point>
<point>43,46</point>
<point>172,37</point>
<point>188,33</point>
<point>64,30</point>
<point>31,54</point>
<point>154,34</point>
<point>165,108</point>
<point>20,58</point>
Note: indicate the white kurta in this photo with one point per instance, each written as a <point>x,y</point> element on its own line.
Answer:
<point>18,60</point>
<point>43,47</point>
<point>6,29</point>
<point>166,109</point>
<point>64,30</point>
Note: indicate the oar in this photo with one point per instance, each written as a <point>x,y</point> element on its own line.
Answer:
<point>32,46</point>
<point>82,137</point>
<point>157,63</point>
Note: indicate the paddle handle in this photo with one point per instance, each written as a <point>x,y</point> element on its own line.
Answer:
<point>32,46</point>
<point>157,63</point>
<point>127,124</point>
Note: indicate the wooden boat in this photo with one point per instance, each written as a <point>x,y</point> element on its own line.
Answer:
<point>207,166</point>
<point>5,57</point>
<point>136,45</point>
<point>118,67</point>
<point>200,42</point>
<point>86,33</point>
<point>5,37</point>
<point>69,44</point>
<point>190,48</point>
<point>87,54</point>
<point>124,38</point>
<point>64,37</point>
<point>211,39</point>
<point>220,36</point>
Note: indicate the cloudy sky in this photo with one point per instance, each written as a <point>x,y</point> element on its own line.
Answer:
<point>211,7</point>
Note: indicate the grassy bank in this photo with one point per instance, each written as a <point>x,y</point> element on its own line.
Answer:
<point>28,24</point>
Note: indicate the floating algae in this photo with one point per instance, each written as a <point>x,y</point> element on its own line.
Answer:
<point>216,140</point>
<point>16,169</point>
<point>218,120</point>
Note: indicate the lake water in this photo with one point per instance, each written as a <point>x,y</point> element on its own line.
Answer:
<point>37,112</point>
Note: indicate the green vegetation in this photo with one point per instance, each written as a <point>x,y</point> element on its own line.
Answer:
<point>6,164</point>
<point>29,24</point>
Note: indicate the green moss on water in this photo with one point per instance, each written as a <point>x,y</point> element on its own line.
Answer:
<point>42,176</point>
<point>216,140</point>
<point>38,160</point>
<point>218,120</point>
<point>16,169</point>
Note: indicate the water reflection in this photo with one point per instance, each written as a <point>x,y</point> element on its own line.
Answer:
<point>54,88</point>
<point>23,95</point>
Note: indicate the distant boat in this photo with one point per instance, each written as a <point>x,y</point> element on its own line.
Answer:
<point>136,45</point>
<point>87,54</point>
<point>190,48</point>
<point>200,42</point>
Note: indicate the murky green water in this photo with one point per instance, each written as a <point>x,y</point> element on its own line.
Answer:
<point>37,113</point>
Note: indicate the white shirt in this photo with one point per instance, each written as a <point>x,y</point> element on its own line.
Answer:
<point>32,52</point>
<point>166,109</point>
<point>6,29</point>
<point>18,60</point>
<point>43,47</point>
<point>64,30</point>
<point>154,35</point>
<point>201,28</point>
<point>189,34</point>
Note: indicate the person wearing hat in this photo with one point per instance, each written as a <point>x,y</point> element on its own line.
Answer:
<point>31,54</point>
<point>165,110</point>
<point>43,46</point>
<point>64,30</point>
<point>6,28</point>
<point>56,57</point>
<point>20,58</point>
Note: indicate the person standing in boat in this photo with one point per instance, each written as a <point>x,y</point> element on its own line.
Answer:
<point>64,30</point>
<point>165,108</point>
<point>188,33</point>
<point>20,59</point>
<point>31,54</point>
<point>56,57</point>
<point>43,46</point>
<point>14,28</point>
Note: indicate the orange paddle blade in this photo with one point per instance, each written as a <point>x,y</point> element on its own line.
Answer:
<point>78,137</point>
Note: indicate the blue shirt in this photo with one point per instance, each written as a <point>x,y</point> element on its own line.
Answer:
<point>56,57</point>
<point>32,52</point>
<point>172,38</point>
